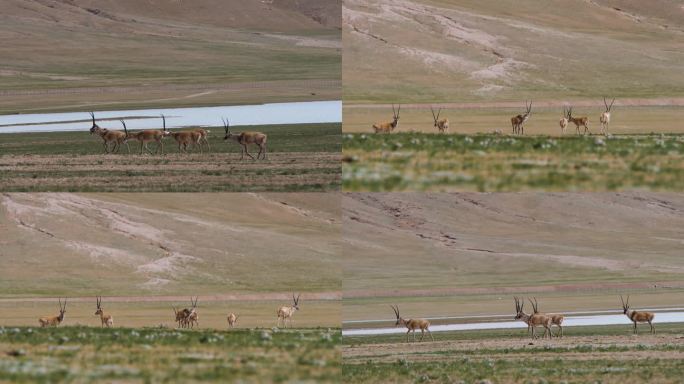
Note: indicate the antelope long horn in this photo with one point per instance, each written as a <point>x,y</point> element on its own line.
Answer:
<point>93,116</point>
<point>433,113</point>
<point>164,120</point>
<point>611,105</point>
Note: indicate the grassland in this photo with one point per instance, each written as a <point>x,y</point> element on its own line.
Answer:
<point>302,157</point>
<point>485,162</point>
<point>605,354</point>
<point>86,54</point>
<point>84,354</point>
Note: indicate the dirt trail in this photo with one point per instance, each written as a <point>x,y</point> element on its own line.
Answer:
<point>622,102</point>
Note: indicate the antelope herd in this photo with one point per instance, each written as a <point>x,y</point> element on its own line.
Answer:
<point>196,138</point>
<point>184,318</point>
<point>532,320</point>
<point>517,122</point>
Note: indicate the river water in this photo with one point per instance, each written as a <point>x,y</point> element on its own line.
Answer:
<point>261,114</point>
<point>569,321</point>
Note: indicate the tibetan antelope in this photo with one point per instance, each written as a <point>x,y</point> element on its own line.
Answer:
<point>147,136</point>
<point>412,325</point>
<point>246,138</point>
<point>518,121</point>
<point>203,134</point>
<point>556,319</point>
<point>184,138</point>
<point>53,321</point>
<point>583,121</point>
<point>564,121</point>
<point>638,316</point>
<point>388,127</point>
<point>285,313</point>
<point>108,136</point>
<point>192,317</point>
<point>107,320</point>
<point>232,320</point>
<point>605,116</point>
<point>442,125</point>
<point>180,317</point>
<point>534,320</point>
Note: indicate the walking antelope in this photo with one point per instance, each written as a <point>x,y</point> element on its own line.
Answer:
<point>232,320</point>
<point>638,316</point>
<point>53,321</point>
<point>564,121</point>
<point>583,121</point>
<point>605,116</point>
<point>183,138</point>
<point>203,134</point>
<point>115,137</point>
<point>285,313</point>
<point>388,127</point>
<point>246,138</point>
<point>107,320</point>
<point>147,136</point>
<point>442,125</point>
<point>534,320</point>
<point>556,319</point>
<point>518,121</point>
<point>412,325</point>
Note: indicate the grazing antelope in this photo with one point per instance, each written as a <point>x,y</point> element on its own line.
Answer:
<point>442,125</point>
<point>388,127</point>
<point>246,138</point>
<point>107,320</point>
<point>638,316</point>
<point>605,116</point>
<point>53,321</point>
<point>564,121</point>
<point>556,319</point>
<point>518,121</point>
<point>534,320</point>
<point>285,312</point>
<point>232,320</point>
<point>183,138</point>
<point>583,121</point>
<point>114,137</point>
<point>148,136</point>
<point>412,325</point>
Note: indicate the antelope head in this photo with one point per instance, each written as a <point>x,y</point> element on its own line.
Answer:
<point>608,107</point>
<point>296,301</point>
<point>166,133</point>
<point>226,126</point>
<point>435,117</point>
<point>396,313</point>
<point>528,110</point>
<point>99,305</point>
<point>625,306</point>
<point>95,127</point>
<point>519,305</point>
<point>396,113</point>
<point>62,309</point>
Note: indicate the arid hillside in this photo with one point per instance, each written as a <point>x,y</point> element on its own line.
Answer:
<point>168,244</point>
<point>474,50</point>
<point>402,243</point>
